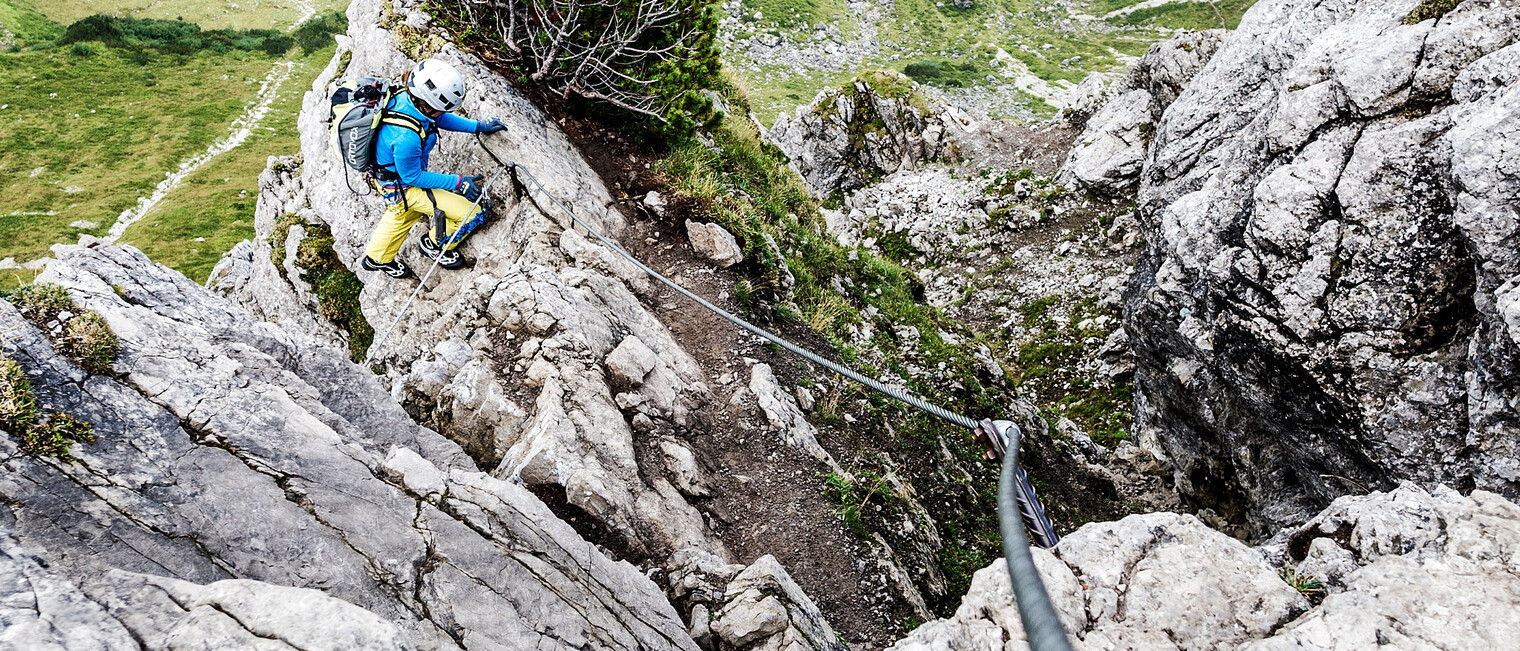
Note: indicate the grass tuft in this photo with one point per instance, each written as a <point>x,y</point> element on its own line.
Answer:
<point>21,416</point>
<point>18,403</point>
<point>89,341</point>
<point>42,302</point>
<point>84,337</point>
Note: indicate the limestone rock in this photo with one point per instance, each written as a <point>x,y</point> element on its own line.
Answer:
<point>553,300</point>
<point>630,362</point>
<point>766,609</point>
<point>654,202</point>
<point>1325,306</point>
<point>238,491</point>
<point>1107,157</point>
<point>713,242</point>
<point>876,125</point>
<point>1165,581</point>
<point>782,412</point>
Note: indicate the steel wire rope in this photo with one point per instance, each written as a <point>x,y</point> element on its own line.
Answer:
<point>880,387</point>
<point>1042,627</point>
<point>423,283</point>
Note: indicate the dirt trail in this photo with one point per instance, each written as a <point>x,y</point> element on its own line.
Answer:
<point>241,129</point>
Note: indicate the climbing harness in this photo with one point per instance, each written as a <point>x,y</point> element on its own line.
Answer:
<point>423,283</point>
<point>1015,492</point>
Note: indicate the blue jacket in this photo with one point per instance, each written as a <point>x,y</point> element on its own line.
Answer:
<point>401,150</point>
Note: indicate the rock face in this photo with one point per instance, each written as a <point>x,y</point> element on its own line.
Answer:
<point>1107,157</point>
<point>249,484</point>
<point>539,358</point>
<point>1327,302</point>
<point>1165,581</point>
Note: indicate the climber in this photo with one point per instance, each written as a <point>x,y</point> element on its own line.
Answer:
<point>433,88</point>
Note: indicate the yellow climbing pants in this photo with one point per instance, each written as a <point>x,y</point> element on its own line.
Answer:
<point>400,217</point>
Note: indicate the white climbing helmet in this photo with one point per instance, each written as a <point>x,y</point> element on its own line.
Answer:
<point>436,83</point>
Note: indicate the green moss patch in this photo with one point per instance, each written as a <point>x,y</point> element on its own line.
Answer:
<point>1430,9</point>
<point>336,287</point>
<point>50,435</point>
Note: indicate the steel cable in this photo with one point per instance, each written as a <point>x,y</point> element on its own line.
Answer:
<point>891,392</point>
<point>1015,494</point>
<point>1042,626</point>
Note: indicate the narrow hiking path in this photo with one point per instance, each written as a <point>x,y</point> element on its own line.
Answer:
<point>241,129</point>
<point>307,11</point>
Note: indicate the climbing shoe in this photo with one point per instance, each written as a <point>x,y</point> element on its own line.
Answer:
<point>447,259</point>
<point>395,268</point>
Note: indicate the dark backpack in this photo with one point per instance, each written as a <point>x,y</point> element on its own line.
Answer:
<point>358,111</point>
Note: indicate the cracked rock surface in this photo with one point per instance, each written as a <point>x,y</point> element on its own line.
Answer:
<point>1416,569</point>
<point>1327,302</point>
<point>249,481</point>
<point>517,358</point>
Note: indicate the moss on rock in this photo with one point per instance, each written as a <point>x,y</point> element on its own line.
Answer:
<point>336,287</point>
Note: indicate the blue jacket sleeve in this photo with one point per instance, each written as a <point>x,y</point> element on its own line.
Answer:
<point>406,150</point>
<point>451,122</point>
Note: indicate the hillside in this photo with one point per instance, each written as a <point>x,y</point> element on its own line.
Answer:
<point>1250,306</point>
<point>1017,59</point>
<point>158,145</point>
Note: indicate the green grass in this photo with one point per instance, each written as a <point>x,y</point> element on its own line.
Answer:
<point>1190,15</point>
<point>81,138</point>
<point>213,208</point>
<point>26,25</point>
<point>21,416</point>
<point>797,14</point>
<point>249,14</point>
<point>954,48</point>
<point>951,47</point>
<point>1045,368</point>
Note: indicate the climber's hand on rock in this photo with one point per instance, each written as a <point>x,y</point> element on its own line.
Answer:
<point>490,126</point>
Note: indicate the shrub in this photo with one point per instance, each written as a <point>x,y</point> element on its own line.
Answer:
<point>1429,9</point>
<point>83,50</point>
<point>173,36</point>
<point>89,341</point>
<point>41,302</point>
<point>54,437</point>
<point>336,287</point>
<point>20,416</point>
<point>650,58</point>
<point>317,32</point>
<point>18,404</point>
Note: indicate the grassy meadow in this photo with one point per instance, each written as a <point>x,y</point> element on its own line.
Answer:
<point>941,45</point>
<point>209,14</point>
<point>87,128</point>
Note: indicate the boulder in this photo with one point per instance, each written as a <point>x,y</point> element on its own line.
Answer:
<point>766,610</point>
<point>713,242</point>
<point>1417,569</point>
<point>783,413</point>
<point>631,362</point>
<point>550,301</point>
<point>249,483</point>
